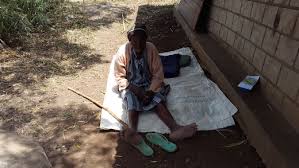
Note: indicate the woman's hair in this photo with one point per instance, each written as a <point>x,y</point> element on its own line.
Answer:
<point>139,28</point>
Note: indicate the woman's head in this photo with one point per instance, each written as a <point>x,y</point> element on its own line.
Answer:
<point>138,36</point>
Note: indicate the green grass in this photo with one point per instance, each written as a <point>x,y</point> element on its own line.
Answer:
<point>20,17</point>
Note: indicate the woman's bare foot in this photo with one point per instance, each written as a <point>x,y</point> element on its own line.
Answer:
<point>131,136</point>
<point>183,132</point>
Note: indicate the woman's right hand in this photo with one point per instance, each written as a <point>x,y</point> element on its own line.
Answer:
<point>139,92</point>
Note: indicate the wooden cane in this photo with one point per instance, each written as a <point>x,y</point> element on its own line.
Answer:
<point>100,106</point>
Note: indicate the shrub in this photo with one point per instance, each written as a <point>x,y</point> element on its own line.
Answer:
<point>19,17</point>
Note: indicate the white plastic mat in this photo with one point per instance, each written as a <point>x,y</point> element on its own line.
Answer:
<point>192,98</point>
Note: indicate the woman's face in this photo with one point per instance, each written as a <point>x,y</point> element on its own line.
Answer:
<point>138,41</point>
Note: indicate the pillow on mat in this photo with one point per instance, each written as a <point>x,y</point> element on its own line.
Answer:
<point>171,65</point>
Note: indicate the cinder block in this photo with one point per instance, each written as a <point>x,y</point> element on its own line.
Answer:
<point>222,16</point>
<point>211,25</point>
<point>289,82</point>
<point>270,41</point>
<point>294,3</point>
<point>237,23</point>
<point>248,50</point>
<point>246,8</point>
<point>296,30</point>
<point>236,5</point>
<point>231,37</point>
<point>219,3</point>
<point>281,2</point>
<point>258,11</point>
<point>228,4</point>
<point>217,27</point>
<point>257,35</point>
<point>269,16</point>
<point>297,62</point>
<point>288,19</point>
<point>223,33</point>
<point>229,19</point>
<point>287,50</point>
<point>271,69</point>
<point>258,59</point>
<point>291,112</point>
<point>239,43</point>
<point>214,27</point>
<point>247,28</point>
<point>274,96</point>
<point>214,14</point>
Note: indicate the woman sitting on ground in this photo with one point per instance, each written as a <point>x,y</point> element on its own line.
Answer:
<point>139,74</point>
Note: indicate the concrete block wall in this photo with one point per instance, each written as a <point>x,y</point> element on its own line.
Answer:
<point>263,36</point>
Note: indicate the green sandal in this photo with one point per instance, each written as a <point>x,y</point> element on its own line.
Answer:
<point>161,141</point>
<point>144,149</point>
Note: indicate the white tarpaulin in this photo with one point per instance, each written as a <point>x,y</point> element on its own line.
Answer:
<point>192,98</point>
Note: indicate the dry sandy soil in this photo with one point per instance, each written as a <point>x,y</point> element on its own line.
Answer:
<point>76,52</point>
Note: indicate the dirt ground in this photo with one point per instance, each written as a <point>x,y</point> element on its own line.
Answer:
<point>76,52</point>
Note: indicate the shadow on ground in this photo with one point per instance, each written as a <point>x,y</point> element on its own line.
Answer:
<point>68,133</point>
<point>49,54</point>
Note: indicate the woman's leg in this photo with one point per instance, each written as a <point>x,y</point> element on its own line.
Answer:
<point>178,132</point>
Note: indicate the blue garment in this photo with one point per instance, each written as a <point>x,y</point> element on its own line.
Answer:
<point>139,75</point>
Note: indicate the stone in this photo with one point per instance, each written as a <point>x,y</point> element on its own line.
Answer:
<point>246,8</point>
<point>222,16</point>
<point>228,4</point>
<point>229,19</point>
<point>231,37</point>
<point>288,19</point>
<point>287,50</point>
<point>257,34</point>
<point>214,27</point>
<point>270,41</point>
<point>294,3</point>
<point>248,50</point>
<point>237,23</point>
<point>221,3</point>
<point>257,11</point>
<point>21,152</point>
<point>296,30</point>
<point>281,2</point>
<point>239,43</point>
<point>289,82</point>
<point>217,27</point>
<point>236,5</point>
<point>258,59</point>
<point>223,33</point>
<point>270,14</point>
<point>297,62</point>
<point>247,28</point>
<point>271,69</point>
<point>214,14</point>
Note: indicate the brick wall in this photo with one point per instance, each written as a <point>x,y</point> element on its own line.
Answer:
<point>263,36</point>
